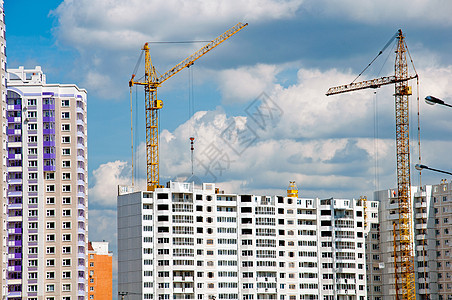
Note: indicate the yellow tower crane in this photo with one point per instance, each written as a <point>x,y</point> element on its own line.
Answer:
<point>151,82</point>
<point>404,262</point>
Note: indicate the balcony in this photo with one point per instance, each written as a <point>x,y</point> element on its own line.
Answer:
<point>14,120</point>
<point>14,268</point>
<point>14,131</point>
<point>420,204</point>
<point>421,215</point>
<point>15,256</point>
<point>182,279</point>
<point>183,290</point>
<point>14,230</point>
<point>15,194</point>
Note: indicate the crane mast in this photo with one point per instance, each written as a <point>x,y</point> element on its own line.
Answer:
<point>404,261</point>
<point>153,105</point>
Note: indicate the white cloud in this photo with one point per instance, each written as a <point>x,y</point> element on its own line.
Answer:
<point>245,83</point>
<point>434,12</point>
<point>106,179</point>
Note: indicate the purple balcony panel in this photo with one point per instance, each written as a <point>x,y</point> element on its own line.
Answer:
<point>13,156</point>
<point>32,144</point>
<point>31,256</point>
<point>32,219</point>
<point>49,131</point>
<point>48,107</point>
<point>48,93</point>
<point>49,168</point>
<point>48,119</point>
<point>17,231</point>
<point>13,294</point>
<point>49,143</point>
<point>32,206</point>
<point>17,255</point>
<point>14,120</point>
<point>13,132</point>
<point>49,155</point>
<point>33,193</point>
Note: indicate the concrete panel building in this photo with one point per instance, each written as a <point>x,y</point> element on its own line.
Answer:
<point>194,242</point>
<point>47,208</point>
<point>3,155</point>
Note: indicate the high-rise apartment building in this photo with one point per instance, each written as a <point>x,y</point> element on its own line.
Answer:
<point>431,217</point>
<point>3,155</point>
<point>100,271</point>
<point>47,188</point>
<point>193,242</point>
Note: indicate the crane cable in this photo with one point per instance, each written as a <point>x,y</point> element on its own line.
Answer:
<point>379,53</point>
<point>191,110</point>
<point>376,165</point>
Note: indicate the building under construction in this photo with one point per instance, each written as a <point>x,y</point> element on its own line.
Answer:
<point>186,241</point>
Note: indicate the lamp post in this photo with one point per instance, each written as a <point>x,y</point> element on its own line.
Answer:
<point>433,100</point>
<point>420,167</point>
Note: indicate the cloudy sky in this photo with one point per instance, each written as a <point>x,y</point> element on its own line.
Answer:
<point>256,104</point>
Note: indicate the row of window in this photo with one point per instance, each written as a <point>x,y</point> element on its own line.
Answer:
<point>49,213</point>
<point>66,237</point>
<point>49,200</point>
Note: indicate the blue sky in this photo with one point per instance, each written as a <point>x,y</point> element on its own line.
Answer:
<point>290,54</point>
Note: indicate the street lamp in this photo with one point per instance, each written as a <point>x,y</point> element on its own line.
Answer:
<point>433,100</point>
<point>419,167</point>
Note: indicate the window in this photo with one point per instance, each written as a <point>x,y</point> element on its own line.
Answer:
<point>66,225</point>
<point>50,275</point>
<point>50,262</point>
<point>33,213</point>
<point>50,238</point>
<point>33,275</point>
<point>32,288</point>
<point>50,188</point>
<point>66,188</point>
<point>33,238</point>
<point>33,163</point>
<point>66,262</point>
<point>65,139</point>
<point>33,225</point>
<point>65,115</point>
<point>66,274</point>
<point>66,287</point>
<point>66,176</point>
<point>50,288</point>
<point>65,103</point>
<point>32,126</point>
<point>50,213</point>
<point>50,225</point>
<point>33,188</point>
<point>50,200</point>
<point>66,164</point>
<point>33,250</point>
<point>31,102</point>
<point>50,250</point>
<point>32,176</point>
<point>32,114</point>
<point>33,263</point>
<point>66,249</point>
<point>65,127</point>
<point>66,212</point>
<point>66,237</point>
<point>32,138</point>
<point>66,200</point>
<point>50,176</point>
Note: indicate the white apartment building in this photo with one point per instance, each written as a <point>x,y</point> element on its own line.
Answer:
<point>194,242</point>
<point>432,214</point>
<point>3,155</point>
<point>47,218</point>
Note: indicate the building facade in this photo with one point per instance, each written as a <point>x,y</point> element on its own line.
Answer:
<point>431,217</point>
<point>193,242</point>
<point>3,154</point>
<point>99,271</point>
<point>47,209</point>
